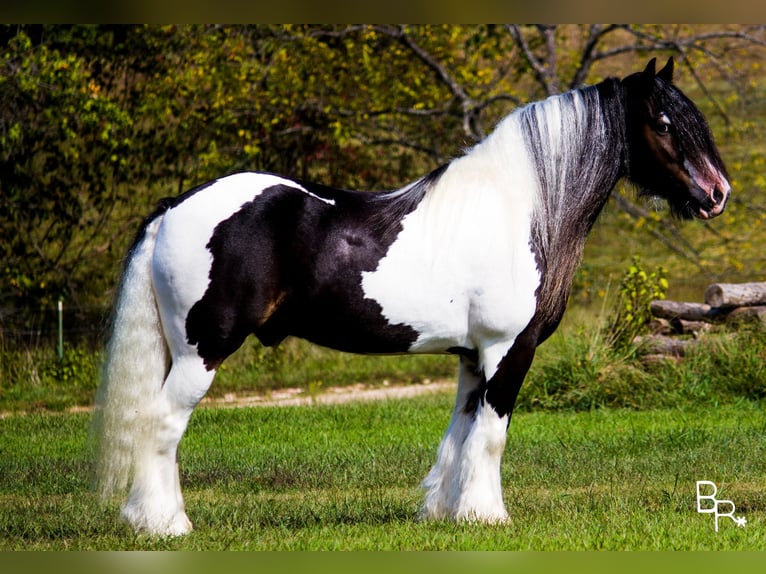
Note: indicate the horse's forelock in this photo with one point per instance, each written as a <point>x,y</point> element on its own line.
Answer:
<point>694,137</point>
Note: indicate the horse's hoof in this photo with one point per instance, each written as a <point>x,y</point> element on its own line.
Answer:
<point>179,525</point>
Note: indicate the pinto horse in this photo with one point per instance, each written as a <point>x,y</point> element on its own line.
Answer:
<point>475,259</point>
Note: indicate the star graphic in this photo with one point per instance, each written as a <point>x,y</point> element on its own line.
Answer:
<point>741,521</point>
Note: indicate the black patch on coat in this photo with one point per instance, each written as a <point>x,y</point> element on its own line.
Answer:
<point>288,264</point>
<point>471,355</point>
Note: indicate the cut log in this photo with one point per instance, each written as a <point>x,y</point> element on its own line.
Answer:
<point>735,294</point>
<point>659,326</point>
<point>684,327</point>
<point>662,345</point>
<point>686,311</point>
<point>748,313</point>
<point>656,359</point>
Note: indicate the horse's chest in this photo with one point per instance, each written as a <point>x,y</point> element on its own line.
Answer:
<point>459,286</point>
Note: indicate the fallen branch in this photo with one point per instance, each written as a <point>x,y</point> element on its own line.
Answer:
<point>685,327</point>
<point>747,313</point>
<point>724,302</point>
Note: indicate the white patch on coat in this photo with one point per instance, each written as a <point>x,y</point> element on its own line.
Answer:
<point>462,272</point>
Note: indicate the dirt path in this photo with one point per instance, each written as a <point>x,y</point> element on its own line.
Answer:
<point>294,396</point>
<point>331,395</point>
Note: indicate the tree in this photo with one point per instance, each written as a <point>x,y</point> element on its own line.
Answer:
<point>469,77</point>
<point>62,149</point>
<point>99,122</point>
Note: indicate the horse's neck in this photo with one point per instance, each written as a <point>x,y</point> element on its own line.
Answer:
<point>576,142</point>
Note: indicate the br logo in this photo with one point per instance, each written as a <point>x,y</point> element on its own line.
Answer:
<point>714,506</point>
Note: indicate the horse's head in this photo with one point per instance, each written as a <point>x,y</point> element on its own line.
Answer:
<point>671,153</point>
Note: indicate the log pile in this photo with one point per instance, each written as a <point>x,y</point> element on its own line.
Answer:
<point>724,303</point>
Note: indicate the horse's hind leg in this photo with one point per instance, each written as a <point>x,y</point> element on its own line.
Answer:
<point>155,504</point>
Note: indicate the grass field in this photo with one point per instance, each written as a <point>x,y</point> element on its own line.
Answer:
<point>346,477</point>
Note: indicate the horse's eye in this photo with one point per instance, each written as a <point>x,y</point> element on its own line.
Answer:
<point>663,124</point>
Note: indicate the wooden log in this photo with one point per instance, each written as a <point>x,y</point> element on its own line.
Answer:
<point>735,294</point>
<point>682,310</point>
<point>747,314</point>
<point>659,326</point>
<point>663,345</point>
<point>684,327</point>
<point>657,358</point>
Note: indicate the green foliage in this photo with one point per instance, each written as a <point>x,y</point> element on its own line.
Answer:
<point>36,378</point>
<point>637,290</point>
<point>580,372</point>
<point>731,364</point>
<point>99,122</point>
<point>76,369</point>
<point>577,371</point>
<point>63,144</point>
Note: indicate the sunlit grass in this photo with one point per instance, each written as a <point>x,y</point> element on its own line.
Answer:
<point>347,477</point>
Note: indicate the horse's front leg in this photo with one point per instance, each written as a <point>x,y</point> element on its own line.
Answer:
<point>465,484</point>
<point>443,484</point>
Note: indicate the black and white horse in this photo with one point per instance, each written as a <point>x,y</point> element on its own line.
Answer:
<point>475,259</point>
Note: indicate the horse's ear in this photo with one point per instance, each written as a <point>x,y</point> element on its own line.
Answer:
<point>649,71</point>
<point>666,73</point>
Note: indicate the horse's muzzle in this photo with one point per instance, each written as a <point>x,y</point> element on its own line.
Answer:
<point>714,202</point>
<point>710,189</point>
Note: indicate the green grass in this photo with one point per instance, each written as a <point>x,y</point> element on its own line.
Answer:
<point>603,452</point>
<point>346,477</point>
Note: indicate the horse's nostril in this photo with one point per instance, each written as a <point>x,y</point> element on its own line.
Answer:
<point>718,195</point>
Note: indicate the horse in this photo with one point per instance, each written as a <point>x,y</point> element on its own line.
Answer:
<point>475,259</point>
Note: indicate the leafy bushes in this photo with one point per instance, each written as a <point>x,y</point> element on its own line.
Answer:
<point>632,311</point>
<point>599,366</point>
<point>577,373</point>
<point>34,377</point>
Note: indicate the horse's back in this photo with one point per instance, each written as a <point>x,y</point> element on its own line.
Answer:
<point>257,253</point>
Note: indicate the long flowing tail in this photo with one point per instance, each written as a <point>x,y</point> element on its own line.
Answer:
<point>135,366</point>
